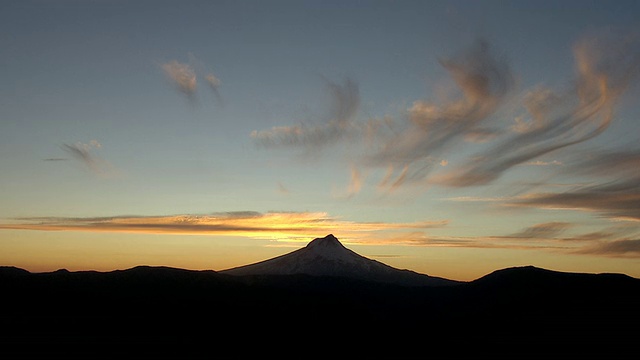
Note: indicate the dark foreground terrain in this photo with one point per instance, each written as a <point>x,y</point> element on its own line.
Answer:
<point>177,313</point>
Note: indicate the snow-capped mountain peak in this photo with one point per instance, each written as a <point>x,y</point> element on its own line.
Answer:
<point>329,247</point>
<point>328,257</point>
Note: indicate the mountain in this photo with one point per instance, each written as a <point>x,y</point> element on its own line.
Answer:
<point>164,312</point>
<point>535,278</point>
<point>328,257</point>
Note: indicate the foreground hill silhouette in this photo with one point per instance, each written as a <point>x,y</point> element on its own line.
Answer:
<point>510,312</point>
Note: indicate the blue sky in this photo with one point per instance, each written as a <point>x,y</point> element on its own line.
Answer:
<point>449,137</point>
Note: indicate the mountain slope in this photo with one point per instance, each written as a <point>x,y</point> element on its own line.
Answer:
<point>328,257</point>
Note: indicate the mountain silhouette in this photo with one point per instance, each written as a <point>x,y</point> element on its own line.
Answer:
<point>302,303</point>
<point>328,257</point>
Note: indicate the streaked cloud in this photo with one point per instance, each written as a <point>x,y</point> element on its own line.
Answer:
<point>476,199</point>
<point>282,189</point>
<point>300,227</point>
<point>605,67</point>
<point>618,248</point>
<point>411,148</point>
<point>544,230</point>
<point>618,205</point>
<point>544,163</point>
<point>281,226</point>
<point>355,184</point>
<point>85,153</point>
<point>213,81</point>
<point>356,181</point>
<point>214,84</point>
<point>594,236</point>
<point>611,242</point>
<point>312,137</point>
<point>407,148</point>
<point>614,192</point>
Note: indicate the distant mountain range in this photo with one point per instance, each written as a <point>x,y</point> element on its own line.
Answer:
<point>320,300</point>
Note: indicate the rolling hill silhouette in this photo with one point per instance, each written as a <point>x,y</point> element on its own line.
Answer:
<point>283,305</point>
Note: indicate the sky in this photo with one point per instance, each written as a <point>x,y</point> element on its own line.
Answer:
<point>451,138</point>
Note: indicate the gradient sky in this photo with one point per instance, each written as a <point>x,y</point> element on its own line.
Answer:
<point>452,138</point>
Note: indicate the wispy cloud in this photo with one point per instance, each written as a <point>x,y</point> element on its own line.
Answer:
<point>85,154</point>
<point>313,137</point>
<point>214,84</point>
<point>300,227</point>
<point>411,148</point>
<point>408,148</point>
<point>619,205</point>
<point>282,189</point>
<point>477,199</point>
<point>605,66</point>
<point>211,79</point>
<point>618,248</point>
<point>355,184</point>
<point>544,163</point>
<point>282,226</point>
<point>184,76</point>
<point>615,193</point>
<point>613,241</point>
<point>544,230</point>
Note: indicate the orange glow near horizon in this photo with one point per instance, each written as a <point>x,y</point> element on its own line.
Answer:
<point>284,226</point>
